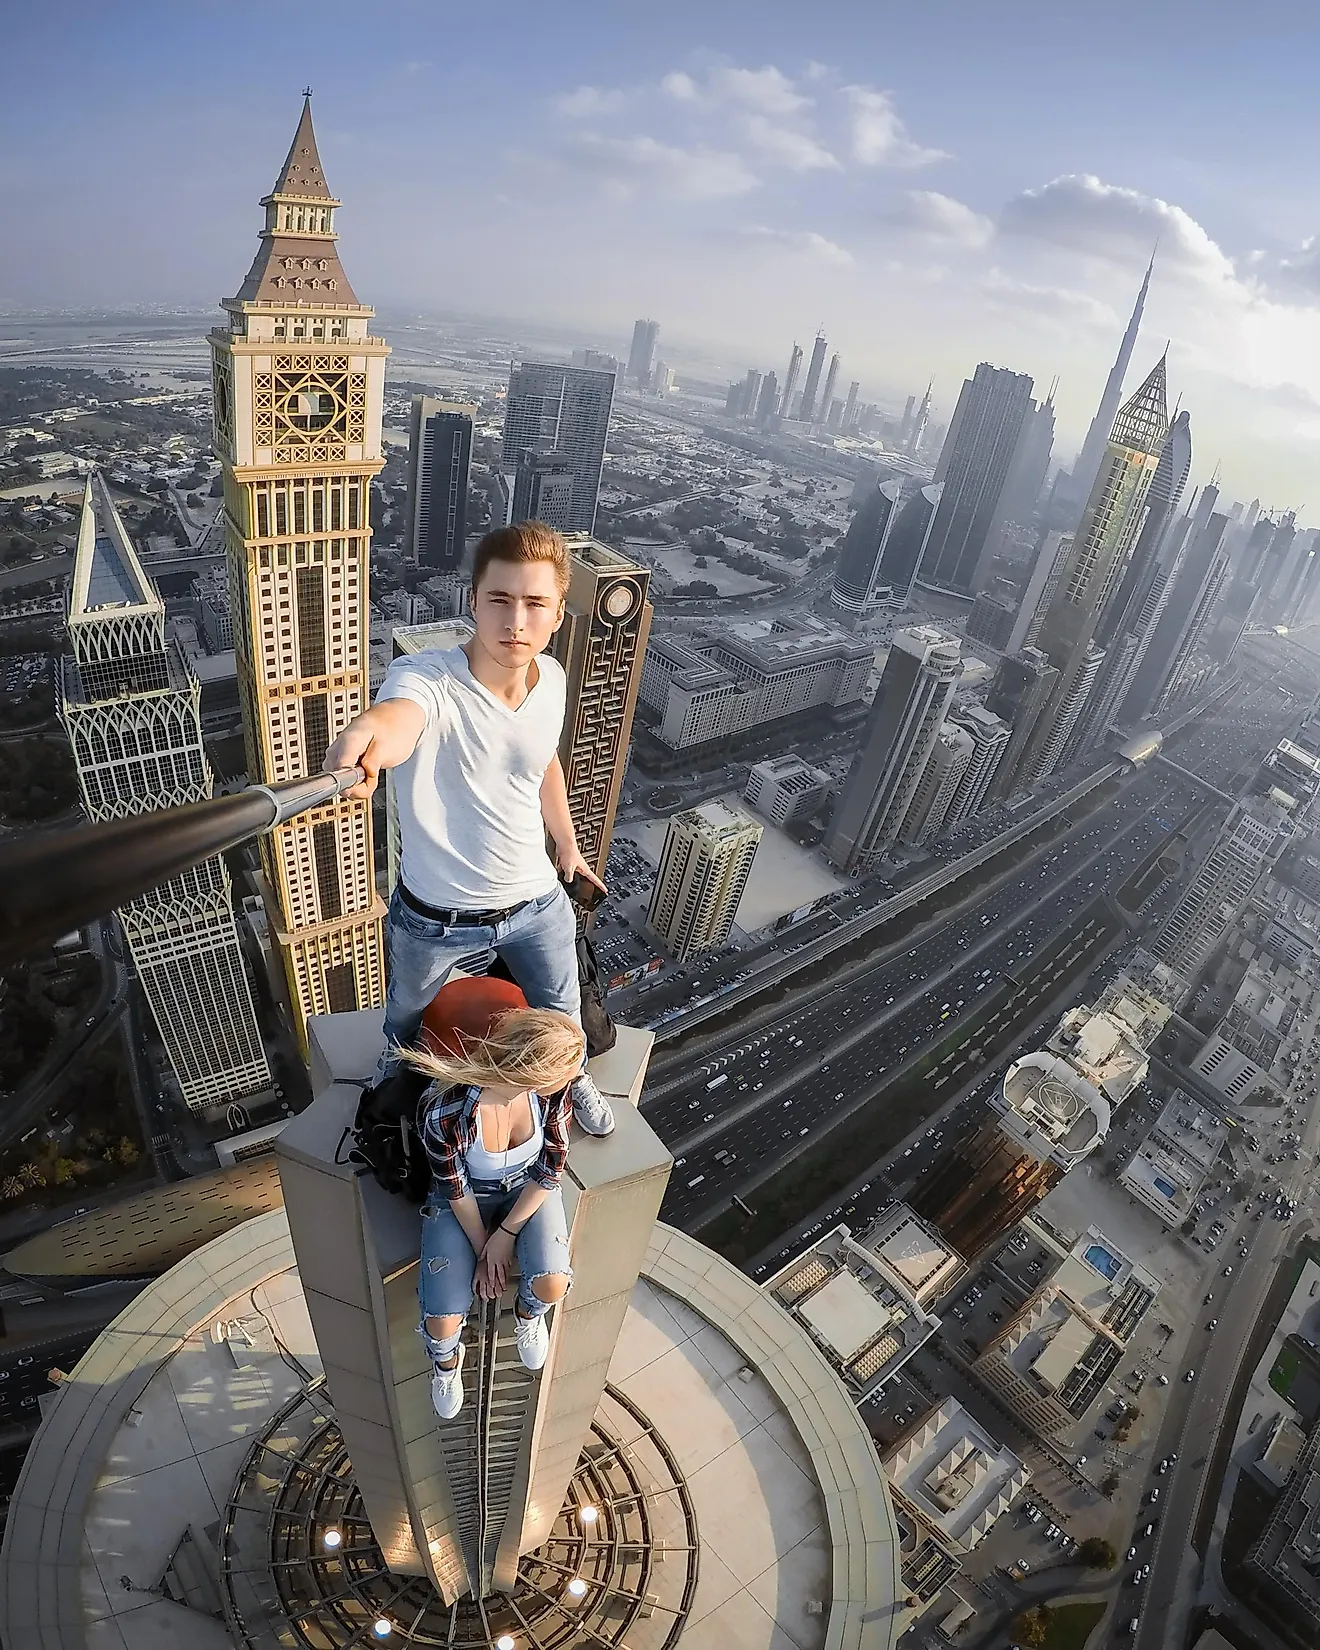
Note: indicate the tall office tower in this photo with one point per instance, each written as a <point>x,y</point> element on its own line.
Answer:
<point>917,434</point>
<point>1055,728</point>
<point>439,457</point>
<point>1288,587</point>
<point>1052,1110</point>
<point>1087,467</point>
<point>735,402</point>
<point>834,417</point>
<point>1302,591</point>
<point>1253,836</point>
<point>545,488</point>
<point>768,402</point>
<point>905,423</point>
<point>935,790</point>
<point>974,465</point>
<point>601,645</point>
<point>1248,550</point>
<point>1051,558</point>
<point>131,708</point>
<point>704,866</point>
<point>882,549</point>
<point>1191,654</point>
<point>298,391</point>
<point>850,405</point>
<point>1023,686</point>
<point>989,735</point>
<point>1184,566</point>
<point>1275,562</point>
<point>598,360</point>
<point>790,379</point>
<point>1031,464</point>
<point>1097,561</point>
<point>1124,627</point>
<point>751,392</point>
<point>563,410</point>
<point>808,409</point>
<point>641,357</point>
<point>920,676</point>
<point>827,394</point>
<point>1235,610</point>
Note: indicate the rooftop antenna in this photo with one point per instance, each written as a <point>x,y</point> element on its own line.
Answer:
<point>307,91</point>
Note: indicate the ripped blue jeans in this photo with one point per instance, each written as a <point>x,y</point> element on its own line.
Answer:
<point>444,1282</point>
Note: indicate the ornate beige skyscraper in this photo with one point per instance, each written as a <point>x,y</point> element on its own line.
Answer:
<point>298,394</point>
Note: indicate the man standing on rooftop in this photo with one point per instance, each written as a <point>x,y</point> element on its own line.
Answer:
<point>474,732</point>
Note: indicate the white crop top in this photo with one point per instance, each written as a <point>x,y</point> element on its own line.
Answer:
<point>484,1165</point>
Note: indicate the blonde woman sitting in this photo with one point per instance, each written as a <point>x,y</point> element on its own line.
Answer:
<point>495,1128</point>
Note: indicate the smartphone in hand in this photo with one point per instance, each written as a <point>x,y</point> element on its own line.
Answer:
<point>583,892</point>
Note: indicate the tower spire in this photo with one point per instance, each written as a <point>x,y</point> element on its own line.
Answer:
<point>1088,465</point>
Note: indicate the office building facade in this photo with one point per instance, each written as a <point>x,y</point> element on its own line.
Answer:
<point>1042,582</point>
<point>811,386</point>
<point>439,461</point>
<point>786,788</point>
<point>641,354</point>
<point>1022,687</point>
<point>920,676</point>
<point>704,866</point>
<point>298,385</point>
<point>939,782</point>
<point>566,411</point>
<point>974,466</point>
<point>989,736</point>
<point>990,621</point>
<point>881,553</point>
<point>601,645</point>
<point>1097,560</point>
<point>545,488</point>
<point>131,708</point>
<point>1252,838</point>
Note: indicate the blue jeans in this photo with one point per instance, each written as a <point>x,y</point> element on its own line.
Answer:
<point>444,1281</point>
<point>538,942</point>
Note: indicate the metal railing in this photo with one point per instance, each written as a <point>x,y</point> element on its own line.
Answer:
<point>62,880</point>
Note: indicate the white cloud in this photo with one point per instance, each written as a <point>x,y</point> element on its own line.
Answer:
<point>1052,302</point>
<point>681,87</point>
<point>795,149</point>
<point>629,165</point>
<point>941,218</point>
<point>805,242</point>
<point>588,101</point>
<point>879,137</point>
<point>769,90</point>
<point>1080,212</point>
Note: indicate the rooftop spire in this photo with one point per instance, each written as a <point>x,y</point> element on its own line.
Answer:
<point>1143,419</point>
<point>1088,465</point>
<point>301,175</point>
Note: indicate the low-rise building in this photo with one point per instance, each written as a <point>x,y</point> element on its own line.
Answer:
<point>1287,1554</point>
<point>950,1481</point>
<point>786,788</point>
<point>1051,1360</point>
<point>1169,1168</point>
<point>1229,1072</point>
<point>747,675</point>
<point>865,1300</point>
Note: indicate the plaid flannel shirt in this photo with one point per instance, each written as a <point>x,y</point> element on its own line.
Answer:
<point>449,1127</point>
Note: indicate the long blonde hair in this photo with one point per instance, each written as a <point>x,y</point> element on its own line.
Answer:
<point>533,1048</point>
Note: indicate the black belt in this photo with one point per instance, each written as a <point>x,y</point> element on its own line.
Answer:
<point>453,918</point>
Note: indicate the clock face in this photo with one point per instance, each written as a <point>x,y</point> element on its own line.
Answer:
<point>620,600</point>
<point>224,405</point>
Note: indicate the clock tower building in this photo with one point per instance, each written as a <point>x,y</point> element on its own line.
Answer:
<point>298,386</point>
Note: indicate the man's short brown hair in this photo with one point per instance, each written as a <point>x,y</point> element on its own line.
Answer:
<point>528,541</point>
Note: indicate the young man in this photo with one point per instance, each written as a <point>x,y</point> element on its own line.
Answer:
<point>474,734</point>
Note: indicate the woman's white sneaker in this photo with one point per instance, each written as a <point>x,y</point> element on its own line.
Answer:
<point>447,1387</point>
<point>533,1339</point>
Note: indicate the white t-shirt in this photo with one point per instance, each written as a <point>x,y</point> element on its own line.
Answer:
<point>469,796</point>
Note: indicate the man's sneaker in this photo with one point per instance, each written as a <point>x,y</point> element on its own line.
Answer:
<point>447,1387</point>
<point>590,1107</point>
<point>533,1339</point>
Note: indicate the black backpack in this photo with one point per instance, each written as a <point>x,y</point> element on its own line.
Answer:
<point>385,1135</point>
<point>597,1026</point>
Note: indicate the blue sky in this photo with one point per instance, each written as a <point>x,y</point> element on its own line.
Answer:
<point>937,183</point>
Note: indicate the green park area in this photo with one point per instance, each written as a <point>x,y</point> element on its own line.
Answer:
<point>1058,1626</point>
<point>1284,1373</point>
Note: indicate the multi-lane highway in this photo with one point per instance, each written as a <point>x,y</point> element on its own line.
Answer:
<point>793,1077</point>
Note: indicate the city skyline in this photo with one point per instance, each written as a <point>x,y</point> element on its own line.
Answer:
<point>742,187</point>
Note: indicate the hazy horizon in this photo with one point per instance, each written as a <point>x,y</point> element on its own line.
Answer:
<point>933,186</point>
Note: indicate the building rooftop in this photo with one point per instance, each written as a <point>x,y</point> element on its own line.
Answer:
<point>864,1301</point>
<point>955,1473</point>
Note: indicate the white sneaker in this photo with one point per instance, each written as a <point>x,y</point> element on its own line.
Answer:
<point>447,1387</point>
<point>590,1107</point>
<point>533,1339</point>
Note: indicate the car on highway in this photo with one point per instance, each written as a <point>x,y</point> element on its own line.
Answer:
<point>1190,1376</point>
